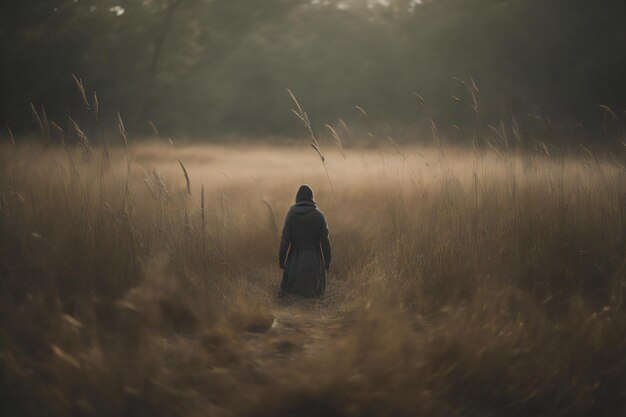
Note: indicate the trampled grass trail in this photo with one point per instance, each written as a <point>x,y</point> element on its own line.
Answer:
<point>298,328</point>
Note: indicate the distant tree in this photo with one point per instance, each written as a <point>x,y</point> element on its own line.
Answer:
<point>218,66</point>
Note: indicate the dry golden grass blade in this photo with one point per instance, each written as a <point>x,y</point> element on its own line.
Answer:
<point>203,219</point>
<point>96,105</point>
<point>474,86</point>
<point>120,124</point>
<point>304,118</point>
<point>334,133</point>
<point>363,112</point>
<point>337,140</point>
<point>106,156</point>
<point>122,130</point>
<point>496,131</point>
<point>59,130</point>
<point>81,90</point>
<point>11,137</point>
<point>37,119</point>
<point>543,147</point>
<point>587,151</point>
<point>65,356</point>
<point>472,90</point>
<point>150,188</point>
<point>82,137</point>
<point>344,126</point>
<point>72,321</point>
<point>272,216</point>
<point>475,106</point>
<point>493,147</point>
<point>300,116</point>
<point>182,166</point>
<point>420,99</point>
<point>154,128</point>
<point>126,305</point>
<point>609,111</point>
<point>159,182</point>
<point>317,149</point>
<point>434,130</point>
<point>295,101</point>
<point>395,146</point>
<point>45,123</point>
<point>314,140</point>
<point>79,132</point>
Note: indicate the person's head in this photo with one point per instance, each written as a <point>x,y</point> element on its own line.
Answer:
<point>305,193</point>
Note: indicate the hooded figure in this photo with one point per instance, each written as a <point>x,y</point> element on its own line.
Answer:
<point>304,247</point>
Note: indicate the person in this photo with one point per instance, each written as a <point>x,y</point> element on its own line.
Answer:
<point>305,252</point>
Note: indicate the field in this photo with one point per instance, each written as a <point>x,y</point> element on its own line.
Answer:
<point>143,281</point>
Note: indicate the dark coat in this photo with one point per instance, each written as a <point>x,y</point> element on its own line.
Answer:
<point>304,250</point>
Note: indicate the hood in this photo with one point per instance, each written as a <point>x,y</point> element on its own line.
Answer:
<point>305,193</point>
<point>303,207</point>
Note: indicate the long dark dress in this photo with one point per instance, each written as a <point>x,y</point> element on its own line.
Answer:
<point>304,251</point>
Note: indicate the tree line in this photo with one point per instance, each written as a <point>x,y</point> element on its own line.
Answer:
<point>208,68</point>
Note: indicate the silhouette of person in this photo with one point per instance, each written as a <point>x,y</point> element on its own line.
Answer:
<point>304,253</point>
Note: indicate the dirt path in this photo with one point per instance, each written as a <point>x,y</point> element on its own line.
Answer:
<point>301,327</point>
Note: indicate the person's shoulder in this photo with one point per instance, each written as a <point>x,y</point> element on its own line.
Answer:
<point>320,213</point>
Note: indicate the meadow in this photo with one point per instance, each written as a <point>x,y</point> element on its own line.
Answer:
<point>142,280</point>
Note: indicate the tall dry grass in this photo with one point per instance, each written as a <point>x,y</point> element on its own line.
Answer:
<point>143,282</point>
